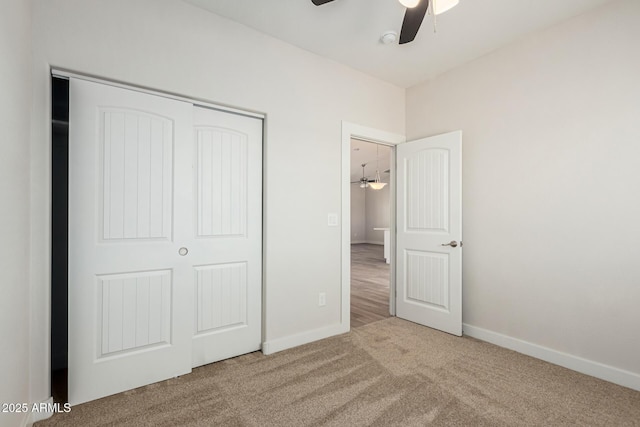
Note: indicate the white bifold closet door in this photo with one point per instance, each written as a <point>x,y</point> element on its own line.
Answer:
<point>164,238</point>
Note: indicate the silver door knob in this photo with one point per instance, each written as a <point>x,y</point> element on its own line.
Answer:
<point>183,251</point>
<point>452,243</point>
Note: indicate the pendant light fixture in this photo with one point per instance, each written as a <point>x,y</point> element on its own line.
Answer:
<point>377,184</point>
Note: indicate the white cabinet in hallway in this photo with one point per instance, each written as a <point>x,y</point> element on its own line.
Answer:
<point>387,242</point>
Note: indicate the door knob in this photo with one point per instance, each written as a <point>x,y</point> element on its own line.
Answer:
<point>183,251</point>
<point>452,243</point>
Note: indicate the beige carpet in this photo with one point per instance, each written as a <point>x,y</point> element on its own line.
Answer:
<point>391,372</point>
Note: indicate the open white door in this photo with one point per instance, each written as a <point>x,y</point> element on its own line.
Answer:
<point>130,189</point>
<point>429,232</point>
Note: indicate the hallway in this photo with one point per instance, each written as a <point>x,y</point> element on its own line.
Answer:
<point>369,284</point>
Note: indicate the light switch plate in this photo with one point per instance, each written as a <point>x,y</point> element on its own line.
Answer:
<point>332,220</point>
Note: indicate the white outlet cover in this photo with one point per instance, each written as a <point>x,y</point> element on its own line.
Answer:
<point>332,220</point>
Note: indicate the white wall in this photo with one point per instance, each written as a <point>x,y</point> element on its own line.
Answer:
<point>369,209</point>
<point>173,46</point>
<point>377,213</point>
<point>15,103</point>
<point>551,176</point>
<point>358,214</point>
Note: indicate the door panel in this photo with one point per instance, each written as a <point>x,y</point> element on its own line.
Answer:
<point>129,292</point>
<point>221,293</point>
<point>227,255</point>
<point>427,191</point>
<point>136,311</point>
<point>429,215</point>
<point>137,170</point>
<point>428,278</point>
<point>222,181</point>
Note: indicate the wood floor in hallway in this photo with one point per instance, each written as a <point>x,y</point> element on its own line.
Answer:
<point>369,284</point>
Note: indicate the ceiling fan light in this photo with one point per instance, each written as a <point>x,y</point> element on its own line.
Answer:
<point>409,3</point>
<point>441,6</point>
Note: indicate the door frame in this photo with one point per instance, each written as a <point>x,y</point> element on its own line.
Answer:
<point>376,136</point>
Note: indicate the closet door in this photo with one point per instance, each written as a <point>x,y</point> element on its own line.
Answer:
<point>130,192</point>
<point>226,247</point>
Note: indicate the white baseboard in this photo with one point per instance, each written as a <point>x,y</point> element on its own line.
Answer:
<point>358,242</point>
<point>575,363</point>
<point>280,344</point>
<point>25,421</point>
<point>34,417</point>
<point>370,242</point>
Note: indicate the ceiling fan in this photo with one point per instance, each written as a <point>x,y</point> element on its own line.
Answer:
<point>366,182</point>
<point>413,17</point>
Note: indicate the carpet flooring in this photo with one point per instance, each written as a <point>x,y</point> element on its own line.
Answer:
<point>390,372</point>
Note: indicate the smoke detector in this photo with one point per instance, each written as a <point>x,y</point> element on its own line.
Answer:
<point>389,37</point>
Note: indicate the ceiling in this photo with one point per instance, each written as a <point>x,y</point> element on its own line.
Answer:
<point>348,31</point>
<point>365,152</point>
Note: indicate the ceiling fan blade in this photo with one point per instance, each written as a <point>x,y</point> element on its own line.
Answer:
<point>412,20</point>
<point>320,2</point>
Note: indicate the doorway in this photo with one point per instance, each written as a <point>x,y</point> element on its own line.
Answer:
<point>352,131</point>
<point>370,189</point>
<point>429,183</point>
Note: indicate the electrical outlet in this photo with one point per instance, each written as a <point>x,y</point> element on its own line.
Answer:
<point>322,299</point>
<point>332,220</point>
